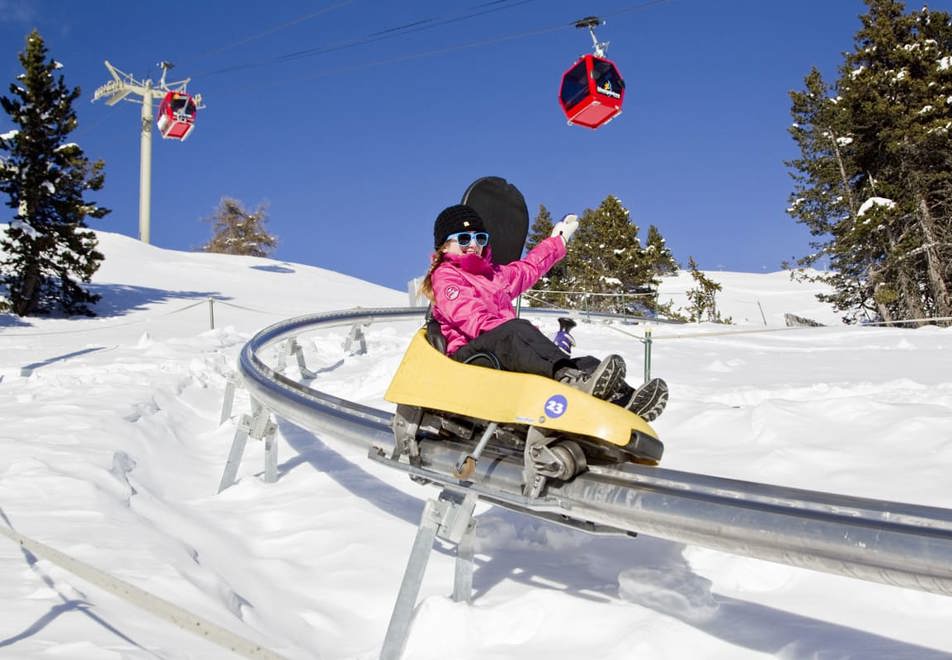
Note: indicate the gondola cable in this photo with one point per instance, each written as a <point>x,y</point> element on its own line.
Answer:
<point>440,51</point>
<point>380,35</point>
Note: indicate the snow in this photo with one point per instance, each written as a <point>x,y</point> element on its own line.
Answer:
<point>875,201</point>
<point>112,453</point>
<point>9,135</point>
<point>23,225</point>
<point>945,63</point>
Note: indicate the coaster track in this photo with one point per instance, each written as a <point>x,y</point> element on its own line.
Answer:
<point>888,542</point>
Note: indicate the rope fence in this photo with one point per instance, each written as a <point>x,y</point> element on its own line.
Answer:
<point>646,339</point>
<point>209,301</point>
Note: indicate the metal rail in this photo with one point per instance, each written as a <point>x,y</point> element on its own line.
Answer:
<point>889,542</point>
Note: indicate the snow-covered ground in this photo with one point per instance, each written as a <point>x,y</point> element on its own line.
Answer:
<point>112,452</point>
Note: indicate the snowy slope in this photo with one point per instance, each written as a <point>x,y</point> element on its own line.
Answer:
<point>754,299</point>
<point>112,453</point>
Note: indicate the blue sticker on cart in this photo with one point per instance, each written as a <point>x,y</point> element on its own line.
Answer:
<point>556,405</point>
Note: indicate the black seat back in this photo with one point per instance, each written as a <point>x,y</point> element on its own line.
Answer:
<point>434,335</point>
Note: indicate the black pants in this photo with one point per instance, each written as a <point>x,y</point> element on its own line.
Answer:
<point>520,346</point>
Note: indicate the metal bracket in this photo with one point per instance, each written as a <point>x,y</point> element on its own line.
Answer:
<point>356,336</point>
<point>549,457</point>
<point>450,517</point>
<point>532,480</point>
<point>292,347</point>
<point>406,423</point>
<point>258,426</point>
<point>228,401</point>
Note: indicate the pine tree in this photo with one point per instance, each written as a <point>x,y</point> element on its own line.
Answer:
<point>900,80</point>
<point>236,231</point>
<point>554,280</point>
<point>658,255</point>
<point>541,227</point>
<point>702,299</point>
<point>874,181</point>
<point>47,243</point>
<point>606,257</point>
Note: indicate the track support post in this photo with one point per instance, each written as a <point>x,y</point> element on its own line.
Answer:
<point>228,401</point>
<point>449,517</point>
<point>356,342</point>
<point>259,426</point>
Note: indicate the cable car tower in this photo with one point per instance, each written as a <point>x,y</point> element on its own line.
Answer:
<point>176,120</point>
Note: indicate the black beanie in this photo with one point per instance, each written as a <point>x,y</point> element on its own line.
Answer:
<point>453,219</point>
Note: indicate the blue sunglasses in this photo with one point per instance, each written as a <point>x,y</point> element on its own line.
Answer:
<point>464,238</point>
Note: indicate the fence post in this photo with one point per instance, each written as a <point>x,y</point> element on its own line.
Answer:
<point>762,315</point>
<point>647,342</point>
<point>211,313</point>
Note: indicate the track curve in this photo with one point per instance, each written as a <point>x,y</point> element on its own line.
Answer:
<point>889,542</point>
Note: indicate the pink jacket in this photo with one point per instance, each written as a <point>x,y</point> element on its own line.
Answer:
<point>473,295</point>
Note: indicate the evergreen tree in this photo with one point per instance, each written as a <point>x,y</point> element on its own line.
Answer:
<point>702,303</point>
<point>874,181</point>
<point>606,267</point>
<point>554,280</point>
<point>47,243</point>
<point>658,255</point>
<point>236,231</point>
<point>607,258</point>
<point>541,227</point>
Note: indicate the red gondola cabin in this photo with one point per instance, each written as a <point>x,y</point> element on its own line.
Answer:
<point>592,92</point>
<point>176,115</point>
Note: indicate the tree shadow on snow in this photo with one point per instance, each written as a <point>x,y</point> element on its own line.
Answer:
<point>121,299</point>
<point>12,321</point>
<point>118,300</point>
<point>645,571</point>
<point>274,269</point>
<point>61,358</point>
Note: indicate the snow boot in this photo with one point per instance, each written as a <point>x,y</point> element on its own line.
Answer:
<point>600,383</point>
<point>648,401</point>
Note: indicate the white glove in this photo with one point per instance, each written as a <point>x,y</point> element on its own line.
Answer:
<point>566,227</point>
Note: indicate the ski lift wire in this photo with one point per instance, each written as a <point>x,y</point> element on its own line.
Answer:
<point>390,33</point>
<point>272,30</point>
<point>433,52</point>
<point>320,51</point>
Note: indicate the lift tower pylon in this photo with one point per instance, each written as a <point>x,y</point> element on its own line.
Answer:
<point>118,89</point>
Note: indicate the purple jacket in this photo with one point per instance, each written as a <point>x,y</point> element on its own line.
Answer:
<point>473,295</point>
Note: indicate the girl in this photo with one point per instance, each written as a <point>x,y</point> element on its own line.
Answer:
<point>472,301</point>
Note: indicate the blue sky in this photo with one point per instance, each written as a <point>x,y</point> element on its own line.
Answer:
<point>357,135</point>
